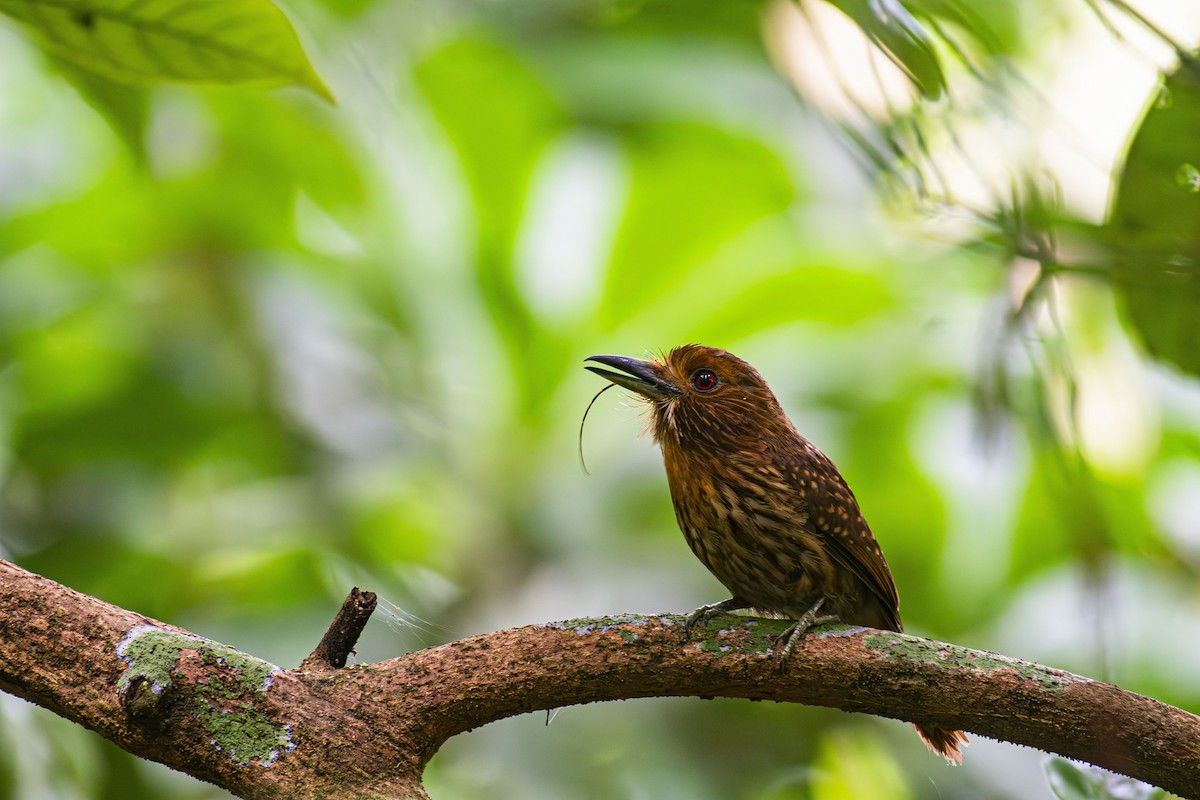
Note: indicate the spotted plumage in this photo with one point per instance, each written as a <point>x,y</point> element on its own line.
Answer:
<point>761,507</point>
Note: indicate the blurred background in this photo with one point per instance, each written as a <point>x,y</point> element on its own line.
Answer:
<point>257,348</point>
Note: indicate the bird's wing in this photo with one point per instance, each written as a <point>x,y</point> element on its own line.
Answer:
<point>833,512</point>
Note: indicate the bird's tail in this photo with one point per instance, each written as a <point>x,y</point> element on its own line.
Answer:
<point>943,742</point>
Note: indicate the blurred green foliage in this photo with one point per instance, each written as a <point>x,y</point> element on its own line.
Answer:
<point>256,349</point>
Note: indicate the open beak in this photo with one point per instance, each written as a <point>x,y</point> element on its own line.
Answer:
<point>643,377</point>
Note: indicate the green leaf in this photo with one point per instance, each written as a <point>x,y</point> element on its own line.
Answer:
<point>137,41</point>
<point>895,31</point>
<point>1154,232</point>
<point>124,107</point>
<point>992,28</point>
<point>1069,782</point>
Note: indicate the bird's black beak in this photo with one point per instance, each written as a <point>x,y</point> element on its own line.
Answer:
<point>643,377</point>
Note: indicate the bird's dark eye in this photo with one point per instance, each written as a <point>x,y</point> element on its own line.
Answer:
<point>705,380</point>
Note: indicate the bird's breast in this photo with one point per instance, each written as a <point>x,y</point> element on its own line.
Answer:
<point>752,531</point>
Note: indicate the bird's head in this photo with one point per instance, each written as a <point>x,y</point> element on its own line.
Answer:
<point>700,396</point>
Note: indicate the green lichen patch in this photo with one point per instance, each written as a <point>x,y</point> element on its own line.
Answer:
<point>601,624</point>
<point>228,682</point>
<point>729,633</point>
<point>241,673</point>
<point>709,646</point>
<point>245,735</point>
<point>151,653</point>
<point>911,648</point>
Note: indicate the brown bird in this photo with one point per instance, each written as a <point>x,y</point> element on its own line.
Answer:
<point>765,510</point>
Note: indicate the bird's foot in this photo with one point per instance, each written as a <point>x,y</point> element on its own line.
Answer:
<point>793,634</point>
<point>705,613</point>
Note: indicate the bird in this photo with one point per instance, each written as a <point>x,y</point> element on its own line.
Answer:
<point>765,510</point>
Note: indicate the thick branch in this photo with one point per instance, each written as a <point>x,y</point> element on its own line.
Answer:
<point>260,731</point>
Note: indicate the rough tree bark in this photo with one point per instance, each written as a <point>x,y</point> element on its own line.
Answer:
<point>264,732</point>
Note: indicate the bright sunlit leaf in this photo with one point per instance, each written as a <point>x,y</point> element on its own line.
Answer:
<point>206,41</point>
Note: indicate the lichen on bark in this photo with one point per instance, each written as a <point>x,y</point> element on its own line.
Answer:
<point>899,645</point>
<point>226,685</point>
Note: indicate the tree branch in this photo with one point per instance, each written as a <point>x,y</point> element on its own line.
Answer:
<point>338,642</point>
<point>263,732</point>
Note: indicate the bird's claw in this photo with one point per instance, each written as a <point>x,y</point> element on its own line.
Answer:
<point>793,634</point>
<point>704,613</point>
